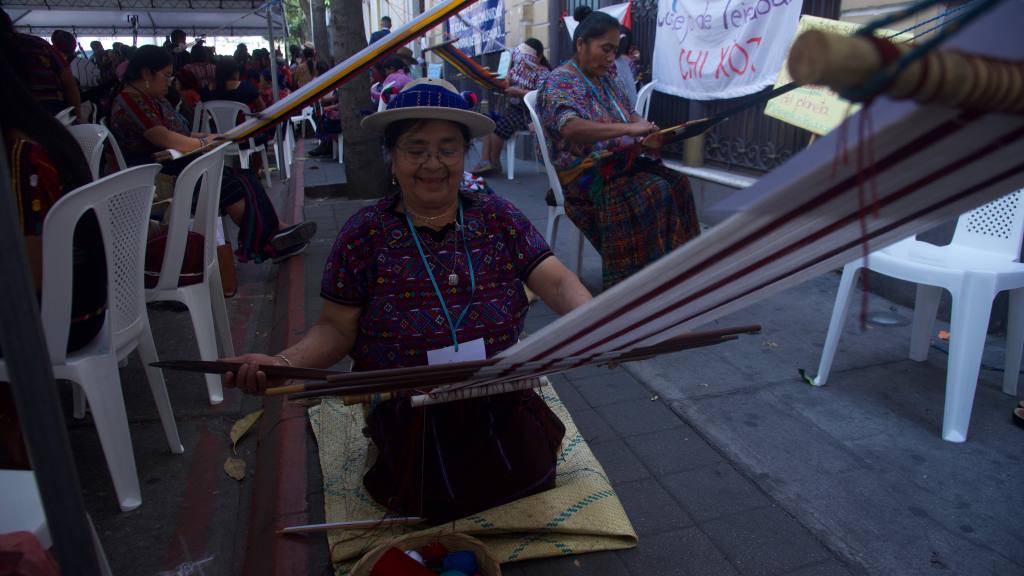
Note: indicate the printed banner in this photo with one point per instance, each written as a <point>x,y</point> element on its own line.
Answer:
<point>816,108</point>
<point>722,48</point>
<point>480,29</point>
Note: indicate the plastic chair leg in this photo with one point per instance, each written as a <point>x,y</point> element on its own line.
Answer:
<point>579,252</point>
<point>971,309</point>
<point>1014,341</point>
<point>77,402</point>
<point>107,405</point>
<point>926,305</point>
<point>266,168</point>
<point>551,231</point>
<point>835,326</point>
<point>243,159</point>
<point>225,344</point>
<point>155,376</point>
<point>197,299</point>
<point>510,156</point>
<point>341,148</point>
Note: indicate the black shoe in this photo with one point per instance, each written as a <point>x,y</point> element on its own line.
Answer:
<point>323,149</point>
<point>290,251</point>
<point>292,235</point>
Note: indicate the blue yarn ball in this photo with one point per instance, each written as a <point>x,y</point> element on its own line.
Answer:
<point>464,561</point>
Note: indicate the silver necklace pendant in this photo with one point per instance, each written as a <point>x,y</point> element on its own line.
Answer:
<point>453,279</point>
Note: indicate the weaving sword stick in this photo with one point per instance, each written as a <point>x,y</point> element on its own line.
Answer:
<point>940,77</point>
<point>343,72</point>
<point>806,217</point>
<point>428,378</point>
<point>462,62</point>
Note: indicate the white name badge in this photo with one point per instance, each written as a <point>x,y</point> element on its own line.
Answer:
<point>468,351</point>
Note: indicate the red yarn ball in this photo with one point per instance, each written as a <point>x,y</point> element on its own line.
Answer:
<point>394,562</point>
<point>433,553</point>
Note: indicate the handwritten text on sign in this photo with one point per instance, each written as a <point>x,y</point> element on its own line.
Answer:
<point>721,48</point>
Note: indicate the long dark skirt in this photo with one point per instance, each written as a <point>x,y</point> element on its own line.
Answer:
<point>451,460</point>
<point>259,223</point>
<point>633,210</point>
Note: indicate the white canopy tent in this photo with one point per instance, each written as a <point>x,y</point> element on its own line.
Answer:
<point>145,17</point>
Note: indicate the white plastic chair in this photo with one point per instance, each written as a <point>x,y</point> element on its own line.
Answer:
<point>302,118</point>
<point>643,99</point>
<point>204,300</point>
<point>219,116</point>
<point>23,511</point>
<point>66,116</point>
<point>557,211</point>
<point>510,152</point>
<point>91,138</point>
<point>121,202</point>
<point>981,261</point>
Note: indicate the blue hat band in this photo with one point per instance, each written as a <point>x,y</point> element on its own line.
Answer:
<point>428,96</point>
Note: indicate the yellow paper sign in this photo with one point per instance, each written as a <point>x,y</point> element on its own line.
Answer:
<point>815,108</point>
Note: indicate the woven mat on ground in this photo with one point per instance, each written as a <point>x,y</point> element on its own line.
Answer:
<point>581,514</point>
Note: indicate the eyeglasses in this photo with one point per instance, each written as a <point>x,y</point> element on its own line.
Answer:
<point>421,155</point>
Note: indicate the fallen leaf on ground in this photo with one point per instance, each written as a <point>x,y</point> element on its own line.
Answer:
<point>805,377</point>
<point>235,467</point>
<point>242,425</point>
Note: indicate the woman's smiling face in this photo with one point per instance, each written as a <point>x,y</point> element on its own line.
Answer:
<point>428,162</point>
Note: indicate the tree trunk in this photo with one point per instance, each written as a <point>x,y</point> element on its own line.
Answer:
<point>303,31</point>
<point>364,166</point>
<point>320,39</point>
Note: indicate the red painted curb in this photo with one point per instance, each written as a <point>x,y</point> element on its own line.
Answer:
<point>279,492</point>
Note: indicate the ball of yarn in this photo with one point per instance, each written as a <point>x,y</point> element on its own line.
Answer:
<point>470,97</point>
<point>395,563</point>
<point>415,556</point>
<point>433,554</point>
<point>463,560</point>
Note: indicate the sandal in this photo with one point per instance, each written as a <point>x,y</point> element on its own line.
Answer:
<point>1018,415</point>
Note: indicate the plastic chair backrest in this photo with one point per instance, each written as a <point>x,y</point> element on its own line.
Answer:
<point>223,113</point>
<point>197,118</point>
<point>90,138</point>
<point>207,169</point>
<point>122,203</point>
<point>531,106</point>
<point>643,99</point>
<point>995,227</point>
<point>66,116</point>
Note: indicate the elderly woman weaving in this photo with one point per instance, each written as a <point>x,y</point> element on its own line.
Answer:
<point>631,208</point>
<point>434,273</point>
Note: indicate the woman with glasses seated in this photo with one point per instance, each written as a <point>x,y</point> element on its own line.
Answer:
<point>431,268</point>
<point>145,123</point>
<point>632,208</point>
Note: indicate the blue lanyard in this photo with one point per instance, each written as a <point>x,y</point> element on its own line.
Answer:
<point>454,326</point>
<point>606,93</point>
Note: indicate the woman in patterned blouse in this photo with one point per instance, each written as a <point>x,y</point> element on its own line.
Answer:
<point>430,274</point>
<point>144,123</point>
<point>527,72</point>
<point>633,209</point>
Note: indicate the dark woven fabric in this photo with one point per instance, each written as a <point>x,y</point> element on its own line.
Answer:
<point>451,460</point>
<point>633,210</point>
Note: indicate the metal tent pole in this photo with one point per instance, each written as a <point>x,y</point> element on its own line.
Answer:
<point>35,396</point>
<point>278,151</point>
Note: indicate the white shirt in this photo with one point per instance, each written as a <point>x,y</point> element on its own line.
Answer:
<point>87,74</point>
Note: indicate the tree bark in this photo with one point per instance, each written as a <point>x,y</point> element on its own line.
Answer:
<point>364,165</point>
<point>320,39</point>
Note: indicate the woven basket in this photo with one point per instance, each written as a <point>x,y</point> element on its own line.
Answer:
<point>488,564</point>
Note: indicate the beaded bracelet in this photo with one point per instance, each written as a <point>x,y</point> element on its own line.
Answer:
<point>285,358</point>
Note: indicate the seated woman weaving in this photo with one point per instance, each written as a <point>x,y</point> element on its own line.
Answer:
<point>145,123</point>
<point>632,208</point>
<point>430,269</point>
